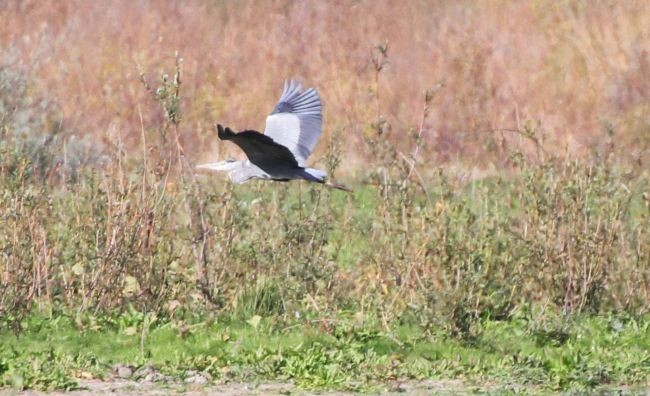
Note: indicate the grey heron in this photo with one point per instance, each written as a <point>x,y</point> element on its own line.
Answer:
<point>280,153</point>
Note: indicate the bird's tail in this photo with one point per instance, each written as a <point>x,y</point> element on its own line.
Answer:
<point>319,176</point>
<point>224,133</point>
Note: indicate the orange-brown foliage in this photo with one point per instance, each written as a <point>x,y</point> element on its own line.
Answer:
<point>575,68</point>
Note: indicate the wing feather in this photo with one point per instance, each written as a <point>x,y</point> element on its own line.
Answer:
<point>262,150</point>
<point>296,122</point>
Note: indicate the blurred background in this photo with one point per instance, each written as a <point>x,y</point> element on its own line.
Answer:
<point>567,76</point>
<point>498,153</point>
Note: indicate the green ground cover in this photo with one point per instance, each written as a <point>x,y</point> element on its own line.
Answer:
<point>536,355</point>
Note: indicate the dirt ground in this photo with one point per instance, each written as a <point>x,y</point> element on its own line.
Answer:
<point>135,388</point>
<point>116,386</point>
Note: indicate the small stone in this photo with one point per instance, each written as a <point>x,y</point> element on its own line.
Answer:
<point>148,373</point>
<point>397,387</point>
<point>156,377</point>
<point>122,371</point>
<point>197,378</point>
<point>145,371</point>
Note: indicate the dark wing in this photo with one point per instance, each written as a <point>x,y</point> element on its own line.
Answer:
<point>296,121</point>
<point>260,149</point>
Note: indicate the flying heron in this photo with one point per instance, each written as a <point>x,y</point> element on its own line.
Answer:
<point>280,153</point>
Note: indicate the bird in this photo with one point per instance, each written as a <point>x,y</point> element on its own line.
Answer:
<point>280,153</point>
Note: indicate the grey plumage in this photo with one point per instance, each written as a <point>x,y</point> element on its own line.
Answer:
<point>292,131</point>
<point>303,107</point>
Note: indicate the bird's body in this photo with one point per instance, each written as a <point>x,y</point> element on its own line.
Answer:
<point>280,153</point>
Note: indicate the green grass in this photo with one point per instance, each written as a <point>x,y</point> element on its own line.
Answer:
<point>540,355</point>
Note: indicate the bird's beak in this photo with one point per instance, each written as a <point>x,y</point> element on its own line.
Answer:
<point>223,166</point>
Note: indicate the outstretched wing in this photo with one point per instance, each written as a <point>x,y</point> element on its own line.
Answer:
<point>260,149</point>
<point>296,122</point>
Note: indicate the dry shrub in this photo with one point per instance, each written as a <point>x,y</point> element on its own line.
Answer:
<point>136,227</point>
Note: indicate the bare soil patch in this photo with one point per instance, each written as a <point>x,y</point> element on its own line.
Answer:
<point>135,388</point>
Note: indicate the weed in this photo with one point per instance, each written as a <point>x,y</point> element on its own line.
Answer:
<point>597,351</point>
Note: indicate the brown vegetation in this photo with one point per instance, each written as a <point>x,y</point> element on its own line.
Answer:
<point>574,73</point>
